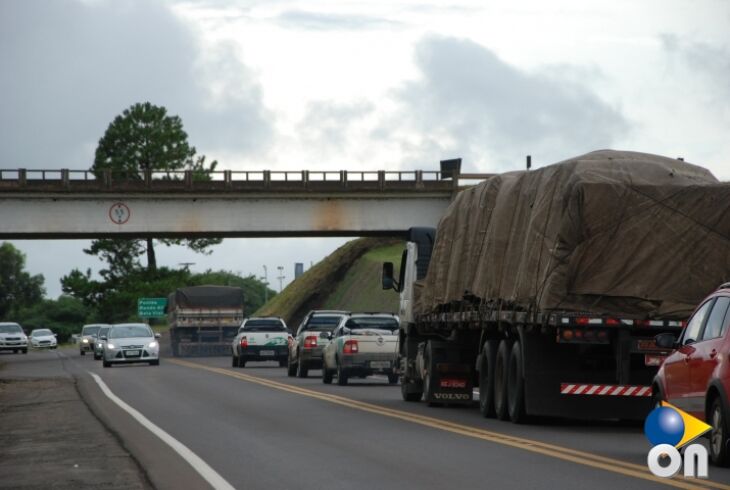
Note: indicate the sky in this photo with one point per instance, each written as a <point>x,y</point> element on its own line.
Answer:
<point>330,85</point>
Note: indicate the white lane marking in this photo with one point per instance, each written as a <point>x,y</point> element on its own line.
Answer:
<point>208,473</point>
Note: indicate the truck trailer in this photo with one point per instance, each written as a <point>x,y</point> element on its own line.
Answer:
<point>204,320</point>
<point>544,289</point>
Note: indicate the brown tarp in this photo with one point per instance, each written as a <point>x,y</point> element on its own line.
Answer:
<point>206,297</point>
<point>627,234</point>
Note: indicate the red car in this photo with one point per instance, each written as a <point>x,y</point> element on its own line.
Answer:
<point>696,376</point>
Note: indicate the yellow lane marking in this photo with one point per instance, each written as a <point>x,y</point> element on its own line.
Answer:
<point>564,453</point>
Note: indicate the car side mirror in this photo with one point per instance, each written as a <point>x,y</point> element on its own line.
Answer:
<point>665,340</point>
<point>103,337</point>
<point>329,335</point>
<point>157,336</point>
<point>387,278</point>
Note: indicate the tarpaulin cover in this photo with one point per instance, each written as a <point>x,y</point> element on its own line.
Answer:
<point>627,234</point>
<point>207,297</point>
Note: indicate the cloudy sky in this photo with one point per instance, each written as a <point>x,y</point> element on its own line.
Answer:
<point>393,84</point>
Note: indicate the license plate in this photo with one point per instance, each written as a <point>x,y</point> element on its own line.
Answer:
<point>267,352</point>
<point>133,353</point>
<point>379,364</point>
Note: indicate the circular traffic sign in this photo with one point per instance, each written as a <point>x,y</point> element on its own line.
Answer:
<point>119,213</point>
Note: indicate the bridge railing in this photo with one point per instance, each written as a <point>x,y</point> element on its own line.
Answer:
<point>79,180</point>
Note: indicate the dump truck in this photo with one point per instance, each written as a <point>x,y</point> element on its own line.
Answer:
<point>204,320</point>
<point>544,289</point>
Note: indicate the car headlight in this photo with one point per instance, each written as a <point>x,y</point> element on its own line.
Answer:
<point>85,341</point>
<point>152,344</point>
<point>110,346</point>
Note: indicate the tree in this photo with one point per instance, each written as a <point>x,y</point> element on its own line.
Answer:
<point>17,287</point>
<point>145,137</point>
<point>64,316</point>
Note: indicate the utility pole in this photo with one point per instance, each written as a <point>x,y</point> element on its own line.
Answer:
<point>265,280</point>
<point>281,277</point>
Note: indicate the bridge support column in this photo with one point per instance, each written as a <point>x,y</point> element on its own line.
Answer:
<point>343,178</point>
<point>22,177</point>
<point>381,179</point>
<point>305,178</point>
<point>64,178</point>
<point>267,179</point>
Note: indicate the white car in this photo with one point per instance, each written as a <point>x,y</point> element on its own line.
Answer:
<point>13,338</point>
<point>42,338</point>
<point>131,342</point>
<point>261,339</point>
<point>362,344</point>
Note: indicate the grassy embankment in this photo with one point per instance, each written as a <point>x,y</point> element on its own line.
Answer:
<point>348,279</point>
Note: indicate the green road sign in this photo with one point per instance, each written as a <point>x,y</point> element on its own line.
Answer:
<point>151,307</point>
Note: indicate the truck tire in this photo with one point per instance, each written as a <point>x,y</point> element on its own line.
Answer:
<point>427,378</point>
<point>516,385</point>
<point>486,378</point>
<point>501,365</point>
<point>342,375</point>
<point>302,369</point>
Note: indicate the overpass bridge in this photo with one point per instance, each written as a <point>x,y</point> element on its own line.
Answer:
<point>81,204</point>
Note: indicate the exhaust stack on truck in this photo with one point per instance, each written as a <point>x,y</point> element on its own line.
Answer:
<point>544,289</point>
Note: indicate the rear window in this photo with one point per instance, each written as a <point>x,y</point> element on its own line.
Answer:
<point>377,323</point>
<point>322,323</point>
<point>263,326</point>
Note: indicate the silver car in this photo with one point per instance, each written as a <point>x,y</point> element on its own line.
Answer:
<point>99,343</point>
<point>13,338</point>
<point>88,337</point>
<point>131,342</point>
<point>43,338</point>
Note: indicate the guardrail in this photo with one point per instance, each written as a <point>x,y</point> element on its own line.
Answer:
<point>80,180</point>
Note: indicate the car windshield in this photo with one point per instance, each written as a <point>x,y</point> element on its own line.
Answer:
<point>90,330</point>
<point>263,326</point>
<point>372,323</point>
<point>103,331</point>
<point>323,323</point>
<point>129,331</point>
<point>10,329</point>
<point>41,333</point>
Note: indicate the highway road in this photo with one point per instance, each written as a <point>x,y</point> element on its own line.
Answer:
<point>256,428</point>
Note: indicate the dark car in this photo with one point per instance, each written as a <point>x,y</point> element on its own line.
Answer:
<point>696,376</point>
<point>305,351</point>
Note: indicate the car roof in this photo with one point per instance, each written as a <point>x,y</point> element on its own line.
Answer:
<point>7,324</point>
<point>328,312</point>
<point>370,313</point>
<point>130,325</point>
<point>263,318</point>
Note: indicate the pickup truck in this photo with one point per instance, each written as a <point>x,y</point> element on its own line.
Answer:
<point>261,339</point>
<point>305,351</point>
<point>362,344</point>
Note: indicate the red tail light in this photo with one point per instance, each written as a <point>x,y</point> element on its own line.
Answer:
<point>310,342</point>
<point>244,343</point>
<point>350,347</point>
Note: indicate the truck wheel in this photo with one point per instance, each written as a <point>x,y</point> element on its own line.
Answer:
<point>302,369</point>
<point>427,378</point>
<point>516,385</point>
<point>486,378</point>
<point>500,379</point>
<point>341,375</point>
<point>326,375</point>
<point>291,369</point>
<point>719,436</point>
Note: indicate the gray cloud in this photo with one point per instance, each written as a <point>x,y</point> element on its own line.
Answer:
<point>318,21</point>
<point>709,61</point>
<point>325,124</point>
<point>69,68</point>
<point>469,103</point>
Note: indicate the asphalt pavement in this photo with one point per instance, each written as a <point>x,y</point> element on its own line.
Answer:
<point>256,428</point>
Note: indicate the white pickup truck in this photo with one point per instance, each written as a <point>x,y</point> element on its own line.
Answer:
<point>362,344</point>
<point>261,339</point>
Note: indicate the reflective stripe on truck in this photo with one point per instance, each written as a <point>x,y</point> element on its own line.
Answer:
<point>604,390</point>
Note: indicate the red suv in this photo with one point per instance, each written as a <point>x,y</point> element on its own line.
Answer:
<point>696,376</point>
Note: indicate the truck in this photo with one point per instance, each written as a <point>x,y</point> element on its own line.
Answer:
<point>204,320</point>
<point>544,289</point>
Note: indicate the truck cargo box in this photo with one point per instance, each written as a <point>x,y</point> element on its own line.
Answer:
<point>609,232</point>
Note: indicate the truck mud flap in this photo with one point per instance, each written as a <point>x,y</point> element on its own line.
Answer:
<point>446,380</point>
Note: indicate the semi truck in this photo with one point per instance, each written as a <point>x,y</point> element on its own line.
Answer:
<point>204,320</point>
<point>544,289</point>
